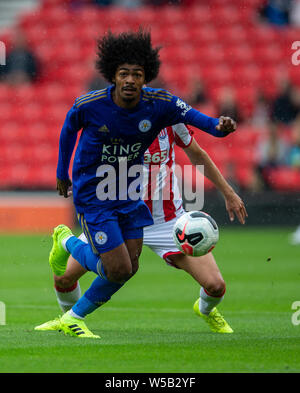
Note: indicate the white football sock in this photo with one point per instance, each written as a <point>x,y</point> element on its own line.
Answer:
<point>74,315</point>
<point>208,302</point>
<point>67,297</point>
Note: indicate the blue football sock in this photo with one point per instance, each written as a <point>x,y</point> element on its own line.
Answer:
<point>101,288</point>
<point>83,253</point>
<point>98,293</point>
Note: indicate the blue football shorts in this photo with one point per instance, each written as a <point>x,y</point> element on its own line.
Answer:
<point>108,227</point>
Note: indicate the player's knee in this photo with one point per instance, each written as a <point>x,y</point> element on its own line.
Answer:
<point>64,281</point>
<point>216,288</point>
<point>134,265</point>
<point>120,274</point>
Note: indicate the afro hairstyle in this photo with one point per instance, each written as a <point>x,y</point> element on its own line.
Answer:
<point>127,48</point>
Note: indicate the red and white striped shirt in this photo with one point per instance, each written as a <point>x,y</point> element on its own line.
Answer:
<point>160,188</point>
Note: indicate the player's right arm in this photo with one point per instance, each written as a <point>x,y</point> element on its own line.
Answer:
<point>67,142</point>
<point>234,204</point>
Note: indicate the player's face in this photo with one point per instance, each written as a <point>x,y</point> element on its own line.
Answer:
<point>129,80</point>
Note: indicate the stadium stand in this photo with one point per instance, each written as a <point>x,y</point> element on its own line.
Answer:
<point>222,43</point>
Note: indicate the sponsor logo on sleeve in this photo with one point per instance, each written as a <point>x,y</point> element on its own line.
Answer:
<point>182,105</point>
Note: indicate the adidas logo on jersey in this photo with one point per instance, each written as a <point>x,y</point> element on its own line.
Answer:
<point>103,129</point>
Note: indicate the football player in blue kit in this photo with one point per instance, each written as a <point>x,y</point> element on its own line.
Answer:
<point>118,124</point>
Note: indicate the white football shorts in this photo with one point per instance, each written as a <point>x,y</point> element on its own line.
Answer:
<point>159,238</point>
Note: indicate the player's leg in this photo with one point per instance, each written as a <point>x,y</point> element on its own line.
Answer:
<point>115,265</point>
<point>67,290</point>
<point>67,287</point>
<point>101,289</point>
<point>112,276</point>
<point>206,272</point>
<point>203,269</point>
<point>107,255</point>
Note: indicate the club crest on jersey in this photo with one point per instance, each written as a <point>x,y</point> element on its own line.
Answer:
<point>101,238</point>
<point>145,125</point>
<point>163,134</point>
<point>103,129</point>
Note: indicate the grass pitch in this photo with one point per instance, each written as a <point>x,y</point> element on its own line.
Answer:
<point>149,325</point>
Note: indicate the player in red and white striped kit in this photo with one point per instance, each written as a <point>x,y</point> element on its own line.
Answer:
<point>160,180</point>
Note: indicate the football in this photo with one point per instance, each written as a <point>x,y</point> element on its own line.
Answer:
<point>195,233</point>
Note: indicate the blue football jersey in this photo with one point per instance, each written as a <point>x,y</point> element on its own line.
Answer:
<point>112,135</point>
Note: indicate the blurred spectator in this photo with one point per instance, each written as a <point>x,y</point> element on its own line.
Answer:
<point>103,2</point>
<point>286,105</point>
<point>261,111</point>
<point>227,105</point>
<point>293,156</point>
<point>294,161</point>
<point>277,12</point>
<point>157,83</point>
<point>198,94</point>
<point>96,82</point>
<point>295,237</point>
<point>162,2</point>
<point>21,64</point>
<point>295,13</point>
<point>189,3</point>
<point>128,3</point>
<point>272,153</point>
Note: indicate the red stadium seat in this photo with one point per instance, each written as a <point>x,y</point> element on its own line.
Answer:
<point>19,175</point>
<point>225,15</point>
<point>217,76</point>
<point>37,133</point>
<point>175,35</point>
<point>244,176</point>
<point>10,132</point>
<point>55,114</point>
<point>198,16</point>
<point>264,35</point>
<point>55,16</point>
<point>267,54</point>
<point>51,93</point>
<point>247,136</point>
<point>210,55</point>
<point>171,15</point>
<point>203,35</point>
<point>223,43</point>
<point>243,156</point>
<point>294,74</point>
<point>285,179</point>
<point>239,54</point>
<point>32,112</point>
<point>43,153</point>
<point>232,35</point>
<point>7,111</point>
<point>5,171</point>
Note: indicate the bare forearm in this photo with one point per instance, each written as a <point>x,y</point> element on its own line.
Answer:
<point>211,171</point>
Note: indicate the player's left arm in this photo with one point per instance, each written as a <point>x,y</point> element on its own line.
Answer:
<point>180,112</point>
<point>234,204</point>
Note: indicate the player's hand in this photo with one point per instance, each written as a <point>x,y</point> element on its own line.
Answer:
<point>63,187</point>
<point>226,124</point>
<point>235,206</point>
